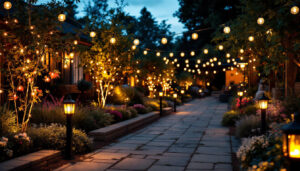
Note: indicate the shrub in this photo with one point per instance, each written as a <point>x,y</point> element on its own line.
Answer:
<point>8,124</point>
<point>116,114</point>
<point>230,117</point>
<point>248,125</point>
<point>54,137</point>
<point>249,110</point>
<point>126,114</point>
<point>133,111</point>
<point>141,109</point>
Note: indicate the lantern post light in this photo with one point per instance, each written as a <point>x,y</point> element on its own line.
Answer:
<point>263,105</point>
<point>240,94</point>
<point>175,98</point>
<point>161,94</point>
<point>182,93</point>
<point>291,142</point>
<point>69,110</point>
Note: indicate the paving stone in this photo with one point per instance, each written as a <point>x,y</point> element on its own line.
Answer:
<point>90,166</point>
<point>200,166</point>
<point>165,168</point>
<point>175,149</point>
<point>224,167</point>
<point>213,150</point>
<point>211,158</point>
<point>109,156</point>
<point>134,164</point>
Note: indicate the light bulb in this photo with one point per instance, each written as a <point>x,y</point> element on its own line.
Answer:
<point>61,17</point>
<point>92,34</point>
<point>7,5</point>
<point>164,40</point>
<point>226,30</point>
<point>112,40</point>
<point>194,36</point>
<point>260,21</point>
<point>136,42</point>
<point>294,10</point>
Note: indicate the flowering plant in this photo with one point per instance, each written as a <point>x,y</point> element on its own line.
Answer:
<point>116,114</point>
<point>140,106</point>
<point>4,150</point>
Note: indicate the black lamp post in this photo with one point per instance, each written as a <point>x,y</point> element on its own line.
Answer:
<point>291,142</point>
<point>182,94</point>
<point>175,98</point>
<point>263,105</point>
<point>161,94</point>
<point>69,109</point>
<point>240,94</point>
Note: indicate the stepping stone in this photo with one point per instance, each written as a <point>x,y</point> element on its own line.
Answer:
<point>134,164</point>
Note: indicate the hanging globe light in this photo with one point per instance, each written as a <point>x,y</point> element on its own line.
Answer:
<point>136,42</point>
<point>195,36</point>
<point>157,53</point>
<point>112,40</point>
<point>260,21</point>
<point>7,5</point>
<point>294,10</point>
<point>192,53</point>
<point>182,54</point>
<point>164,40</point>
<point>251,38</point>
<point>226,30</point>
<point>61,17</point>
<point>221,47</point>
<point>92,34</point>
<point>145,52</point>
<point>171,54</point>
<point>205,51</point>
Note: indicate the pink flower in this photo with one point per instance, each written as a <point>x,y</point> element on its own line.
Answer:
<point>115,113</point>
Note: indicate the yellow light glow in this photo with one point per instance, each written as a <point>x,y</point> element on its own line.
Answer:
<point>182,91</point>
<point>157,53</point>
<point>161,94</point>
<point>136,42</point>
<point>294,10</point>
<point>240,93</point>
<point>208,83</point>
<point>164,40</point>
<point>171,54</point>
<point>263,104</point>
<point>145,52</point>
<point>182,54</point>
<point>205,51</point>
<point>294,146</point>
<point>112,40</point>
<point>260,21</point>
<point>192,53</point>
<point>241,50</point>
<point>175,96</point>
<point>251,38</point>
<point>194,36</point>
<point>92,34</point>
<point>61,17</point>
<point>227,55</point>
<point>7,5</point>
<point>221,47</point>
<point>133,47</point>
<point>198,61</point>
<point>226,30</point>
<point>75,42</point>
<point>69,108</point>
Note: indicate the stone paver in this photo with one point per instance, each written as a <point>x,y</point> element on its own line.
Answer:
<point>191,139</point>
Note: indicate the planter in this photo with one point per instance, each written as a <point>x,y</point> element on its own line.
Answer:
<point>117,130</point>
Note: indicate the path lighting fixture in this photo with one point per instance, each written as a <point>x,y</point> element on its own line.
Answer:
<point>69,110</point>
<point>240,93</point>
<point>160,94</point>
<point>175,98</point>
<point>291,142</point>
<point>195,36</point>
<point>294,10</point>
<point>164,40</point>
<point>136,42</point>
<point>263,105</point>
<point>7,5</point>
<point>226,30</point>
<point>260,21</point>
<point>92,34</point>
<point>61,17</point>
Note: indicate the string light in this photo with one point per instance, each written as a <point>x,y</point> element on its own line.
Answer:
<point>92,34</point>
<point>145,52</point>
<point>112,40</point>
<point>221,47</point>
<point>227,55</point>
<point>61,17</point>
<point>226,30</point>
<point>205,51</point>
<point>157,53</point>
<point>251,38</point>
<point>260,21</point>
<point>7,5</point>
<point>136,42</point>
<point>182,54</point>
<point>164,40</point>
<point>194,36</point>
<point>75,42</point>
<point>241,50</point>
<point>294,10</point>
<point>192,53</point>
<point>133,47</point>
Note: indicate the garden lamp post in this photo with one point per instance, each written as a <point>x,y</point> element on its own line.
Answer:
<point>182,93</point>
<point>161,94</point>
<point>240,94</point>
<point>69,109</point>
<point>263,105</point>
<point>175,98</point>
<point>291,142</point>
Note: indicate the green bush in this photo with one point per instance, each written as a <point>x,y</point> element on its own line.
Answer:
<point>230,117</point>
<point>8,124</point>
<point>247,126</point>
<point>134,113</point>
<point>249,110</point>
<point>54,137</point>
<point>126,114</point>
<point>84,118</point>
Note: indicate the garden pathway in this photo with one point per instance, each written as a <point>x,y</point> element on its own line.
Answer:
<point>191,139</point>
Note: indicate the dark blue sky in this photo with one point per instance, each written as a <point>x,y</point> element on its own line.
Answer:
<point>160,9</point>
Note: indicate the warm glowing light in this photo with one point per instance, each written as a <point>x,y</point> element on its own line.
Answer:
<point>192,53</point>
<point>182,91</point>
<point>92,34</point>
<point>194,36</point>
<point>75,42</point>
<point>136,42</point>
<point>294,10</point>
<point>241,50</point>
<point>260,21</point>
<point>20,88</point>
<point>215,58</point>
<point>161,94</point>
<point>164,40</point>
<point>205,51</point>
<point>240,93</point>
<point>171,54</point>
<point>208,83</point>
<point>112,40</point>
<point>251,38</point>
<point>145,52</point>
<point>182,54</point>
<point>69,107</point>
<point>157,53</point>
<point>294,146</point>
<point>175,95</point>
<point>133,47</point>
<point>221,47</point>
<point>61,17</point>
<point>198,61</point>
<point>226,30</point>
<point>227,55</point>
<point>7,5</point>
<point>263,104</point>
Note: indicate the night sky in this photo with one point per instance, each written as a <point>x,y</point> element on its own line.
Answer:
<point>160,9</point>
